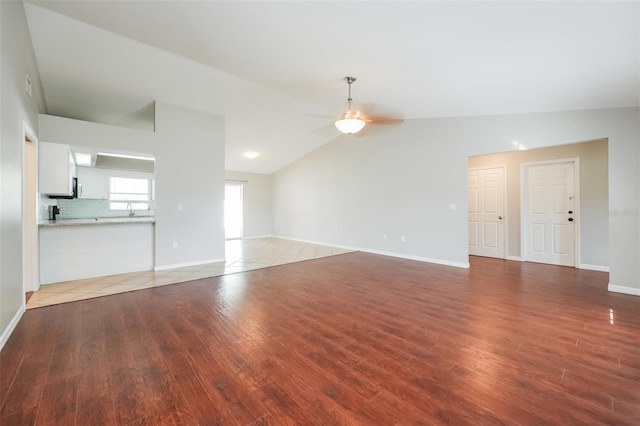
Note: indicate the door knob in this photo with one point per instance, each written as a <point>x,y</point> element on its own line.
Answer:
<point>570,219</point>
<point>570,211</point>
<point>500,217</point>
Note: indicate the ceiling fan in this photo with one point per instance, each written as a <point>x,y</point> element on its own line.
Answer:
<point>353,122</point>
<point>350,122</point>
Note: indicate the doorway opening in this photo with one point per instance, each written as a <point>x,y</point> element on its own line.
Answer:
<point>590,206</point>
<point>233,211</point>
<point>30,279</point>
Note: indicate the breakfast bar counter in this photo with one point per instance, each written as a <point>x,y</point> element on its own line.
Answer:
<point>74,249</point>
<point>99,221</point>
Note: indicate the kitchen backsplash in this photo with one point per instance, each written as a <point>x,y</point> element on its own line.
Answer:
<point>78,208</point>
<point>45,202</point>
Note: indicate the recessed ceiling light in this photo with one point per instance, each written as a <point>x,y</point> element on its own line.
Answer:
<point>519,145</point>
<point>251,154</point>
<point>83,159</point>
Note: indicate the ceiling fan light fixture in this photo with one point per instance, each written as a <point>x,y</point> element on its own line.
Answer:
<point>350,122</point>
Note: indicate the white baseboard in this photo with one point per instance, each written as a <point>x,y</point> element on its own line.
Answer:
<point>184,265</point>
<point>419,258</point>
<point>316,242</point>
<point>385,253</point>
<point>259,236</point>
<point>593,267</point>
<point>626,290</point>
<point>12,325</point>
<point>599,268</point>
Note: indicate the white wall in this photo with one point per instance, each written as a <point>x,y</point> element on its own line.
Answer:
<point>16,110</point>
<point>256,194</point>
<point>189,171</point>
<point>594,200</point>
<point>352,191</point>
<point>189,150</point>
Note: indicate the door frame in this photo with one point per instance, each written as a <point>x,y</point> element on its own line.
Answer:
<point>30,262</point>
<point>505,195</point>
<point>524,204</point>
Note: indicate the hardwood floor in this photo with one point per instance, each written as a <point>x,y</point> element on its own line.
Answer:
<point>350,339</point>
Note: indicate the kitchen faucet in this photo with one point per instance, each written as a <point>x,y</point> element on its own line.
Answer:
<point>130,208</point>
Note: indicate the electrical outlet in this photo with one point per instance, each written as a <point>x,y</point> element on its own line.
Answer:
<point>384,236</point>
<point>180,206</point>
<point>175,244</point>
<point>402,238</point>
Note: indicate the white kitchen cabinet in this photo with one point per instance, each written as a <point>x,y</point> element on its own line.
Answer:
<point>56,169</point>
<point>94,183</point>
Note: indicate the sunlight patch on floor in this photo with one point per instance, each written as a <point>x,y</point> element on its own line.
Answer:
<point>241,255</point>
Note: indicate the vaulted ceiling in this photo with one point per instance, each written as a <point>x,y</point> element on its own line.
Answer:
<point>275,69</point>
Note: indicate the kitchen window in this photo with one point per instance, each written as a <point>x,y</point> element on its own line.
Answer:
<point>129,193</point>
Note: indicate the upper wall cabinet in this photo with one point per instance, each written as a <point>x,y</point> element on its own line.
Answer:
<point>56,169</point>
<point>94,183</point>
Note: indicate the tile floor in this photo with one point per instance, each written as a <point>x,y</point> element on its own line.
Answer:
<point>241,255</point>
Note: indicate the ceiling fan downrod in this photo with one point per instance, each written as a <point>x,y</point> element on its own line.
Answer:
<point>349,80</point>
<point>350,122</point>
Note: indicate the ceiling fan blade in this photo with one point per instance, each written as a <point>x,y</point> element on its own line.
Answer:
<point>384,121</point>
<point>377,127</point>
<point>325,129</point>
<point>379,109</point>
<point>381,115</point>
<point>320,116</point>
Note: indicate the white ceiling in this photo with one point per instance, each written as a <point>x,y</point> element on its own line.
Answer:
<point>275,69</point>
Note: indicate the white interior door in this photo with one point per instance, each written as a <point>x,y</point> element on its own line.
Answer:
<point>486,212</point>
<point>551,214</point>
<point>233,211</point>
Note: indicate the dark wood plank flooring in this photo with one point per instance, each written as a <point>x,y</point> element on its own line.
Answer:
<point>350,339</point>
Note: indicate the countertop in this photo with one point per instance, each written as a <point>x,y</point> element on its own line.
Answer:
<point>99,221</point>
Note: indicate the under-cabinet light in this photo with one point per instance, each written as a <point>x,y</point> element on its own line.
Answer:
<point>134,157</point>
